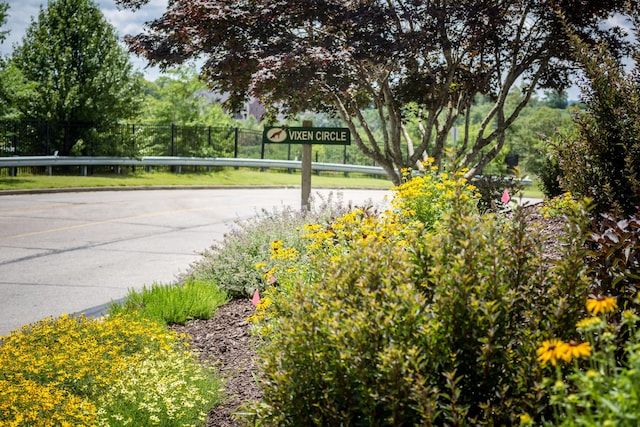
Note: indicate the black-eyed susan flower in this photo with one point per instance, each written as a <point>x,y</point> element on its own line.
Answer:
<point>551,351</point>
<point>576,350</point>
<point>601,304</point>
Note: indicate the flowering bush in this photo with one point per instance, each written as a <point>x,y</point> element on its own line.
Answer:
<point>346,346</point>
<point>231,263</point>
<point>385,318</point>
<point>25,402</point>
<point>563,204</point>
<point>428,198</point>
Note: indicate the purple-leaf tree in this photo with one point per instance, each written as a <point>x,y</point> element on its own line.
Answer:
<point>424,61</point>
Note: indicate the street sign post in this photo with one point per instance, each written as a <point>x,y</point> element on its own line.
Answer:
<point>307,135</point>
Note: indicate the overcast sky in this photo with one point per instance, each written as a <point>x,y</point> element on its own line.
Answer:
<point>124,21</point>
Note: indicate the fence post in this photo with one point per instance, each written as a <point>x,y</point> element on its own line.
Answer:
<point>134,150</point>
<point>235,142</point>
<point>14,171</point>
<point>173,142</point>
<point>15,139</point>
<point>47,137</point>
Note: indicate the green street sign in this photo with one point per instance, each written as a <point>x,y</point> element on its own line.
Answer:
<point>306,135</point>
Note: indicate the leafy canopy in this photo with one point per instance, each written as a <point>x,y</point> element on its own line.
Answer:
<point>407,59</point>
<point>179,97</point>
<point>72,53</point>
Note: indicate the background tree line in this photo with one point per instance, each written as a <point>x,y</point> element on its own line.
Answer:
<point>70,67</point>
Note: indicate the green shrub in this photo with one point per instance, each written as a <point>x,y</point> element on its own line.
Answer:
<point>395,326</point>
<point>550,175</point>
<point>174,304</point>
<point>601,160</point>
<point>348,349</point>
<point>493,296</point>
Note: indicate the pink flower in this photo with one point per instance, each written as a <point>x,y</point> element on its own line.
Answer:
<point>505,196</point>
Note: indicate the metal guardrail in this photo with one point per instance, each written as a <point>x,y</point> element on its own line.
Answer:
<point>84,162</point>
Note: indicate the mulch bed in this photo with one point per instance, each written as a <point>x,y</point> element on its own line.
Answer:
<point>225,341</point>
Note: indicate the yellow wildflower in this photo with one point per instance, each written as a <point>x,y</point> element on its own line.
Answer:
<point>551,351</point>
<point>525,419</point>
<point>601,304</point>
<point>575,350</point>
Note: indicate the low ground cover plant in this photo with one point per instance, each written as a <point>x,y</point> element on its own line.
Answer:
<point>115,371</point>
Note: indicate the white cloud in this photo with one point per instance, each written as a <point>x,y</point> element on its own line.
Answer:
<point>125,21</point>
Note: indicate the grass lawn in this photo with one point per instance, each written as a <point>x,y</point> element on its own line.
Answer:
<point>222,177</point>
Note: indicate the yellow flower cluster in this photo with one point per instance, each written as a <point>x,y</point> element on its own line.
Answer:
<point>156,384</point>
<point>554,350</point>
<point>601,304</point>
<point>279,252</point>
<point>563,204</point>
<point>357,225</point>
<point>427,198</point>
<point>24,402</point>
<point>73,369</point>
<point>261,310</point>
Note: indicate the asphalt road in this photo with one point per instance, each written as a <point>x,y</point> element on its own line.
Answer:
<point>75,252</point>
